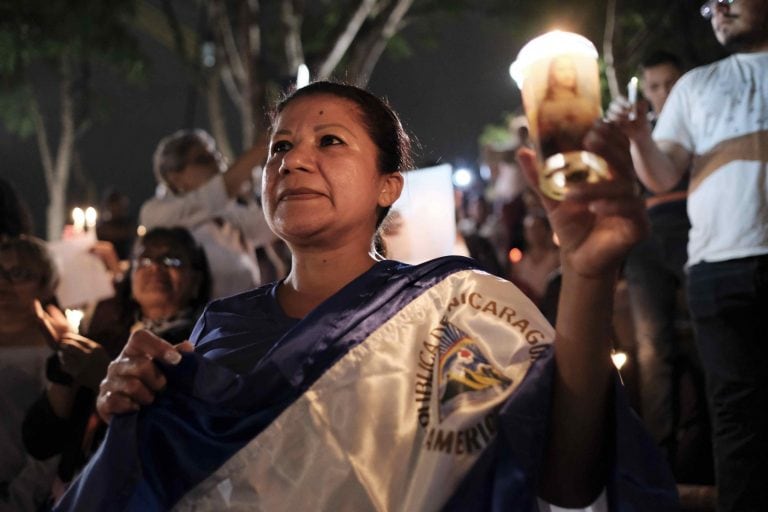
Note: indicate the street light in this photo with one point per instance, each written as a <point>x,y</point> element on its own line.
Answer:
<point>463,178</point>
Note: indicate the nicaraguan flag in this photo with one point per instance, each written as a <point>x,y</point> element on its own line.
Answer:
<point>412,389</point>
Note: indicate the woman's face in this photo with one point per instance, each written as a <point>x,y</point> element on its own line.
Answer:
<point>163,278</point>
<point>321,183</point>
<point>20,283</point>
<point>564,73</point>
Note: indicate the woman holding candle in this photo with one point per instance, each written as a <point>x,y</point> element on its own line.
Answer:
<point>363,384</point>
<point>168,286</point>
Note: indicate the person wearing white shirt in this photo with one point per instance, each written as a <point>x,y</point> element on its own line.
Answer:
<point>217,205</point>
<point>715,122</point>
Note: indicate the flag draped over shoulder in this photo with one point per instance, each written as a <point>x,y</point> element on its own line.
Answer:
<point>413,388</point>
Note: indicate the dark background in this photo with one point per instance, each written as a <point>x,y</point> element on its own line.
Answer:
<point>445,92</point>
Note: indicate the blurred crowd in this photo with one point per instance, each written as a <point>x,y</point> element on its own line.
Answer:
<point>203,236</point>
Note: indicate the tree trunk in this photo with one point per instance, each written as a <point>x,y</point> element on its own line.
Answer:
<point>291,17</point>
<point>57,188</point>
<point>610,69</point>
<point>345,39</point>
<point>56,211</point>
<point>368,51</point>
<point>216,116</point>
<point>57,171</point>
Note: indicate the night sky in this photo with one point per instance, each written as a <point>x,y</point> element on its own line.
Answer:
<point>445,95</point>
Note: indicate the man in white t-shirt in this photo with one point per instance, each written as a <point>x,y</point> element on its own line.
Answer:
<point>217,206</point>
<point>715,122</point>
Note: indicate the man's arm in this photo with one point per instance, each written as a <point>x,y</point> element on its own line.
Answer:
<point>206,202</point>
<point>240,172</point>
<point>188,210</point>
<point>659,165</point>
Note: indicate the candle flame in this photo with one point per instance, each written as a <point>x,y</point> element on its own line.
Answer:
<point>547,46</point>
<point>78,219</point>
<point>90,216</point>
<point>74,317</point>
<point>619,359</point>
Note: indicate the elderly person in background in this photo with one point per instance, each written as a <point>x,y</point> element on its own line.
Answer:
<point>166,290</point>
<point>216,204</point>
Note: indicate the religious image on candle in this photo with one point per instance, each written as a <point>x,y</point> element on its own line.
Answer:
<point>559,79</point>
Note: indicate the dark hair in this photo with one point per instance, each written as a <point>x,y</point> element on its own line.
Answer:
<point>381,122</point>
<point>15,219</point>
<point>33,252</point>
<point>180,238</point>
<point>660,57</point>
<point>172,153</point>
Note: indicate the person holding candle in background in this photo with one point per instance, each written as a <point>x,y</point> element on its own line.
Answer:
<point>165,291</point>
<point>655,270</point>
<point>715,123</point>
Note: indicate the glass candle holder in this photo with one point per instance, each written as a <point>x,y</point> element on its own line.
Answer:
<point>558,75</point>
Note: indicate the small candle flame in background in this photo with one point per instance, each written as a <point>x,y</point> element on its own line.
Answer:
<point>74,317</point>
<point>90,217</point>
<point>78,220</point>
<point>632,97</point>
<point>619,359</point>
<point>515,255</point>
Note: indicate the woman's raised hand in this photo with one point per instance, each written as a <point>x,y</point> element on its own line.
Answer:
<point>133,379</point>
<point>597,223</point>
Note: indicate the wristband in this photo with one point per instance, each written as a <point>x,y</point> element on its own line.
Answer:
<point>54,373</point>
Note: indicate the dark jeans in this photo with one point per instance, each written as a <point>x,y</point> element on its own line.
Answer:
<point>729,307</point>
<point>655,278</point>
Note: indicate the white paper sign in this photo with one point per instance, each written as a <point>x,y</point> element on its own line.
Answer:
<point>83,278</point>
<point>424,226</point>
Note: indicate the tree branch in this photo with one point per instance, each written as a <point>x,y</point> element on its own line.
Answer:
<point>67,137</point>
<point>216,117</point>
<point>610,69</point>
<point>253,89</point>
<point>368,52</point>
<point>291,18</point>
<point>173,23</point>
<point>225,39</point>
<point>41,135</point>
<point>345,39</point>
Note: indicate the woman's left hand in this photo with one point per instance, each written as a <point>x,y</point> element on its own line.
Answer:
<point>52,322</point>
<point>598,223</point>
<point>84,359</point>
